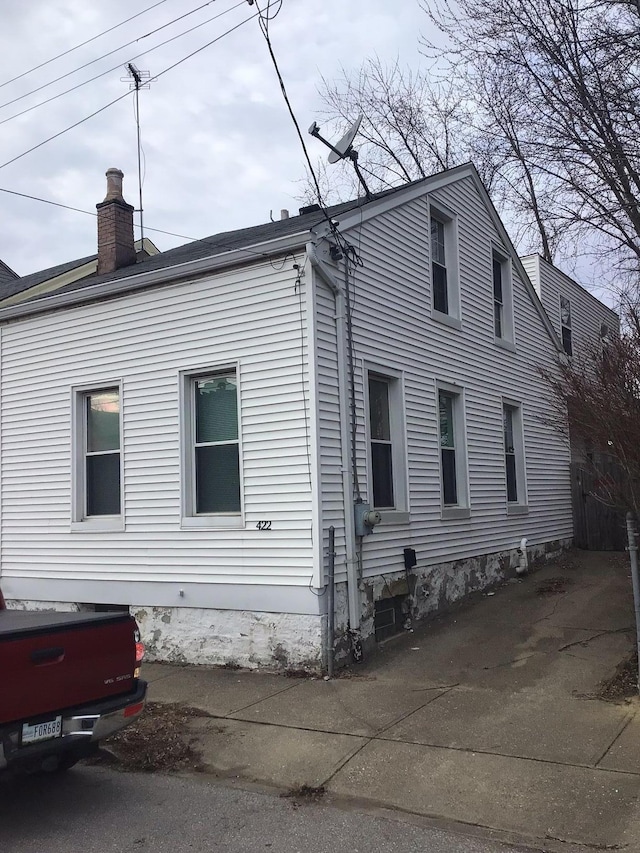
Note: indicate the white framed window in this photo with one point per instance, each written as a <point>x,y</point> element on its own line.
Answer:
<point>454,481</point>
<point>211,448</point>
<point>97,470</point>
<point>387,458</point>
<point>445,293</point>
<point>514,457</point>
<point>565,325</point>
<point>502,296</point>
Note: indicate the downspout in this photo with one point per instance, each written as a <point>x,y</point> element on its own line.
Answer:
<point>326,273</point>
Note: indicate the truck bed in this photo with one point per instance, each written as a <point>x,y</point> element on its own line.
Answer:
<point>23,623</point>
<point>51,661</point>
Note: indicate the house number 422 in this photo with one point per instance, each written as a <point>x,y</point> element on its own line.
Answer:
<point>264,525</point>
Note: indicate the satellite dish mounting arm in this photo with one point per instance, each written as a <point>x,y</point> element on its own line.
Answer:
<point>343,149</point>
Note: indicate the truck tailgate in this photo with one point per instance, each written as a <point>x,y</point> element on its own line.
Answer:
<point>50,661</point>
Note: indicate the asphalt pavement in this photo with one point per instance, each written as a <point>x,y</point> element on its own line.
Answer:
<point>92,810</point>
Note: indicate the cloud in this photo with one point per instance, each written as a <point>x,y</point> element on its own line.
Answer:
<point>220,148</point>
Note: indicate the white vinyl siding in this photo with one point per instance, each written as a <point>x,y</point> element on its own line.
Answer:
<point>254,318</point>
<point>396,319</point>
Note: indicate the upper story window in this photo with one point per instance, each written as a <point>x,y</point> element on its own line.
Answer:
<point>211,449</point>
<point>565,324</point>
<point>502,297</point>
<point>445,296</point>
<point>439,267</point>
<point>387,454</point>
<point>97,458</point>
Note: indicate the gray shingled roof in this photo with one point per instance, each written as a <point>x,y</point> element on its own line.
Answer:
<point>207,247</point>
<point>7,274</point>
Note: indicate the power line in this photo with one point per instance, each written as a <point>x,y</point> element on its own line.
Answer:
<point>217,243</point>
<point>66,129</point>
<point>110,53</point>
<point>264,18</point>
<point>82,44</point>
<point>126,94</point>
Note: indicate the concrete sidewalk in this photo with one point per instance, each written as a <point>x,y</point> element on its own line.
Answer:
<point>485,716</point>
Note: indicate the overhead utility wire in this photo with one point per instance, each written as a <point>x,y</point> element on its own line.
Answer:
<point>116,67</point>
<point>264,19</point>
<point>217,243</point>
<point>126,94</point>
<point>117,49</point>
<point>82,44</point>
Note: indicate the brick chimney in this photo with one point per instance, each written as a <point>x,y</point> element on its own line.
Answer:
<point>115,227</point>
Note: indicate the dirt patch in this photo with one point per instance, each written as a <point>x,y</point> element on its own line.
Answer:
<point>157,741</point>
<point>623,684</point>
<point>304,794</point>
<point>553,586</point>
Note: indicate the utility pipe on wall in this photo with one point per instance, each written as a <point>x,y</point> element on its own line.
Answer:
<point>326,273</point>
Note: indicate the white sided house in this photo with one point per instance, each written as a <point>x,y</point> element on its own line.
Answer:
<point>181,431</point>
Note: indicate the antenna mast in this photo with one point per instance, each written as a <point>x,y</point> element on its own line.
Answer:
<point>140,81</point>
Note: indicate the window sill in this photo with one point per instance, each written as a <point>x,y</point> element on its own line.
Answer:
<point>199,522</point>
<point>446,319</point>
<point>394,516</point>
<point>454,512</point>
<point>505,344</point>
<point>517,509</point>
<point>98,525</point>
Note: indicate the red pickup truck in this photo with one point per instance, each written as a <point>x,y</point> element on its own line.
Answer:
<point>67,680</point>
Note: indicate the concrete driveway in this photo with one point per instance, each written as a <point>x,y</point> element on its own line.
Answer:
<point>487,716</point>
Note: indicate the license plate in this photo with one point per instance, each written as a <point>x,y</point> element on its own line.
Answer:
<point>47,730</point>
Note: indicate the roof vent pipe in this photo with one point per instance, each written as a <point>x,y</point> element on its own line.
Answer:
<point>284,213</point>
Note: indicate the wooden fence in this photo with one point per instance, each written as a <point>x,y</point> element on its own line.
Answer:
<point>596,526</point>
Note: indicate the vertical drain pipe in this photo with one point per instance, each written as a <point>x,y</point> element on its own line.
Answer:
<point>331,588</point>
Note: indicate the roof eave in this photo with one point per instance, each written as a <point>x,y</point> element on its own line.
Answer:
<point>156,278</point>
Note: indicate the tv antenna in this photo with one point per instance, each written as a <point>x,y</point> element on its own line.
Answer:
<point>343,149</point>
<point>138,80</point>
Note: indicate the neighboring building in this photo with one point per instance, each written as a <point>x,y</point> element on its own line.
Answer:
<point>180,431</point>
<point>6,274</point>
<point>579,319</point>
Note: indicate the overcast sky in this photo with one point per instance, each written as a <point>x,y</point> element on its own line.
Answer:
<point>220,149</point>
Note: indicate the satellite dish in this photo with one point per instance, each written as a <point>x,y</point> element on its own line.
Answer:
<point>344,150</point>
<point>341,148</point>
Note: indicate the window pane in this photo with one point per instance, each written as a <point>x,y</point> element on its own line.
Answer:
<point>508,430</point>
<point>497,319</point>
<point>382,471</point>
<point>565,311</point>
<point>440,295</point>
<point>566,340</point>
<point>497,280</point>
<point>103,421</point>
<point>379,410</point>
<point>217,478</point>
<point>512,483</point>
<point>103,484</point>
<point>216,409</point>
<point>437,241</point>
<point>445,404</point>
<point>449,479</point>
